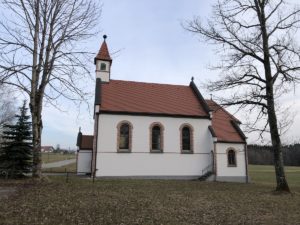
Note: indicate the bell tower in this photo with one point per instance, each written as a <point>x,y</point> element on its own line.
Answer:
<point>103,62</point>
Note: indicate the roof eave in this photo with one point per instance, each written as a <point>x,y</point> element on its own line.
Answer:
<point>200,98</point>
<point>238,129</point>
<point>152,114</point>
<point>213,133</point>
<point>102,59</point>
<point>233,142</point>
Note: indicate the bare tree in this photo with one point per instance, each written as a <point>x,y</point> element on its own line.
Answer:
<point>259,59</point>
<point>40,53</point>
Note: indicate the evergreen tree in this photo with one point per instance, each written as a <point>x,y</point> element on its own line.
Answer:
<point>16,148</point>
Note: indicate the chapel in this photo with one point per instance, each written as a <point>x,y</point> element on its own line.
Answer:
<point>159,131</point>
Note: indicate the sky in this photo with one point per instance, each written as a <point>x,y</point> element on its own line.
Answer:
<point>149,44</point>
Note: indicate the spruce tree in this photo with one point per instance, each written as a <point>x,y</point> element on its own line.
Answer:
<point>16,148</point>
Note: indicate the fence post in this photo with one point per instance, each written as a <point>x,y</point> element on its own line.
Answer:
<point>94,175</point>
<point>6,174</point>
<point>66,175</point>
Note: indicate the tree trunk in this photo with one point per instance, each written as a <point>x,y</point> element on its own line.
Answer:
<point>281,182</point>
<point>36,117</point>
<point>36,134</point>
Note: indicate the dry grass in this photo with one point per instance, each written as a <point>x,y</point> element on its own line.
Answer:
<point>55,157</point>
<point>63,169</point>
<point>150,202</point>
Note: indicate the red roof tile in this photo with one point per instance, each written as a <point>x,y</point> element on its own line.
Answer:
<point>222,124</point>
<point>150,98</point>
<point>103,53</point>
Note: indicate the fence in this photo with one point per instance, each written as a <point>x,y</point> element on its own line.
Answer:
<point>8,174</point>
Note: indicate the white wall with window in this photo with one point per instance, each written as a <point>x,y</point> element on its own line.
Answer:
<point>103,70</point>
<point>230,162</point>
<point>186,138</point>
<point>155,146</point>
<point>124,136</point>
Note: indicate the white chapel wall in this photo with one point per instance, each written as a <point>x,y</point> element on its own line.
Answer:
<point>140,162</point>
<point>225,172</point>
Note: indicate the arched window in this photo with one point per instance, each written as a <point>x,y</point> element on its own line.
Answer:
<point>102,66</point>
<point>231,157</point>
<point>186,138</point>
<point>124,136</point>
<point>156,136</point>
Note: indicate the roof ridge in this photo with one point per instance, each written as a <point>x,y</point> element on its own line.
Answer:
<point>150,83</point>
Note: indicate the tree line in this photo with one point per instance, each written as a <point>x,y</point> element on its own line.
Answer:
<point>263,155</point>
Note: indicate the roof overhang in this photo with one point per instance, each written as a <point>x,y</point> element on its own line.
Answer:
<point>152,114</point>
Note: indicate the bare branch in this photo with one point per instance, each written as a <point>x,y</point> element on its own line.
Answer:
<point>260,60</point>
<point>41,55</point>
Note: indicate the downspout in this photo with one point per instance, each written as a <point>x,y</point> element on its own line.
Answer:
<point>77,151</point>
<point>215,140</point>
<point>78,144</point>
<point>96,117</point>
<point>246,163</point>
<point>215,160</point>
<point>95,145</point>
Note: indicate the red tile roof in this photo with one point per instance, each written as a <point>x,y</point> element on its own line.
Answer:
<point>103,53</point>
<point>223,124</point>
<point>86,142</point>
<point>150,98</point>
<point>119,96</point>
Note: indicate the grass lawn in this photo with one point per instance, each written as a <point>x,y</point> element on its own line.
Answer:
<point>266,175</point>
<point>55,157</point>
<point>153,201</point>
